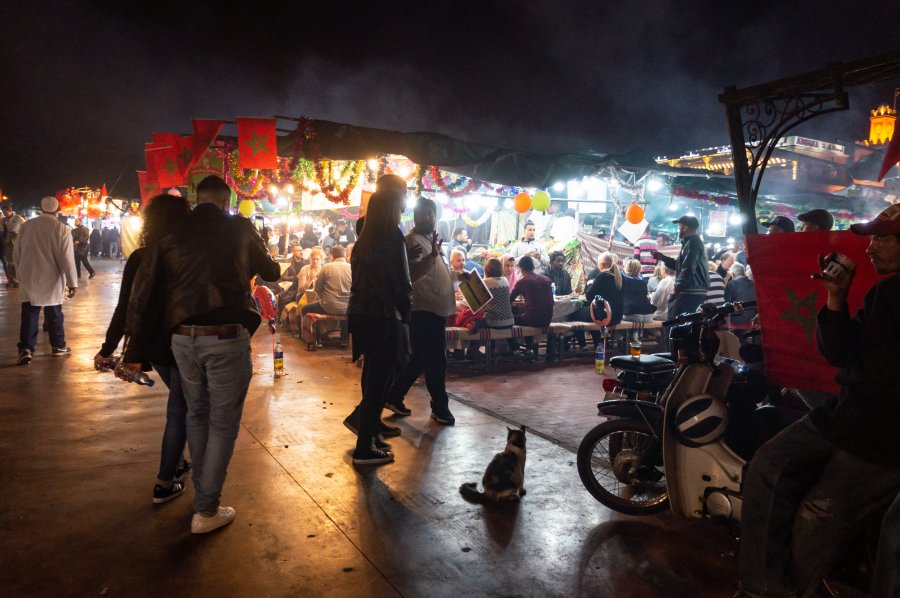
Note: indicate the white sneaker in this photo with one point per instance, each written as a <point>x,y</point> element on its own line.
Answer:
<point>200,524</point>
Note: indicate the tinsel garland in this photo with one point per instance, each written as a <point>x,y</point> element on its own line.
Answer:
<point>455,188</point>
<point>307,132</point>
<point>475,223</point>
<point>719,200</point>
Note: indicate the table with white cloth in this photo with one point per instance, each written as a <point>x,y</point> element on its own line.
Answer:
<point>563,307</point>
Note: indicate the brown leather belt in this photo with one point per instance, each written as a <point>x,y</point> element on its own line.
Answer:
<point>225,330</point>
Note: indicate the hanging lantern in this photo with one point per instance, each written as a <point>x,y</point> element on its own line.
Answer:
<point>634,214</point>
<point>522,202</point>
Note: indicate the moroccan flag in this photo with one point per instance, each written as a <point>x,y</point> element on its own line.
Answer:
<point>257,143</point>
<point>162,165</point>
<point>184,150</point>
<point>788,301</point>
<point>891,156</point>
<point>205,132</point>
<point>149,187</point>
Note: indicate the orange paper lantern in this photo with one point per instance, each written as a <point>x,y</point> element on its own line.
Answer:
<point>634,214</point>
<point>522,202</point>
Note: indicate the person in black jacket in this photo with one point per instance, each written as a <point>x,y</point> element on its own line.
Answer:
<point>811,485</point>
<point>691,271</point>
<point>636,306</point>
<point>161,214</point>
<point>378,315</point>
<point>203,269</point>
<point>606,281</point>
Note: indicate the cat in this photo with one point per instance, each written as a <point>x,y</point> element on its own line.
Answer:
<point>505,475</point>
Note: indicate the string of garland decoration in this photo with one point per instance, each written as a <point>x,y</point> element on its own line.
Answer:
<point>327,185</point>
<point>719,200</point>
<point>475,223</point>
<point>461,186</point>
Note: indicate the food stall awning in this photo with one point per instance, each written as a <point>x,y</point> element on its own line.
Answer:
<point>338,141</point>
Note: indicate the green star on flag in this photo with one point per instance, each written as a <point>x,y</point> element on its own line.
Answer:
<point>802,311</point>
<point>185,157</point>
<point>170,166</point>
<point>257,144</point>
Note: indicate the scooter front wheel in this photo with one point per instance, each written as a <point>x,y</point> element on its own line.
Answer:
<point>620,464</point>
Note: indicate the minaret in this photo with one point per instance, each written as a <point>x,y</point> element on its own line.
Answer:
<point>881,125</point>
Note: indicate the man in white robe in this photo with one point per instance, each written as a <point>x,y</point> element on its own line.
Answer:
<point>45,265</point>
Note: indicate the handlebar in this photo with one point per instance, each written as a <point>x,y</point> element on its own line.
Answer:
<point>710,312</point>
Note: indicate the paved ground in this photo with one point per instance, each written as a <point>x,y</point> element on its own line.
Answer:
<point>80,451</point>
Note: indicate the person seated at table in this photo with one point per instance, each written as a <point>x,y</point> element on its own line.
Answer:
<point>558,275</point>
<point>498,312</point>
<point>659,272</point>
<point>663,292</point>
<point>740,288</point>
<point>605,280</point>
<point>273,251</point>
<point>333,289</point>
<point>509,269</point>
<point>309,239</point>
<point>636,306</point>
<point>459,261</point>
<point>305,280</point>
<point>537,308</point>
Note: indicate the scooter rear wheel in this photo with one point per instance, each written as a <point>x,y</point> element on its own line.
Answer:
<point>620,464</point>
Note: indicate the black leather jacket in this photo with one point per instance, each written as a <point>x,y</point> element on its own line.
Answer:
<point>204,266</point>
<point>691,272</point>
<point>381,285</point>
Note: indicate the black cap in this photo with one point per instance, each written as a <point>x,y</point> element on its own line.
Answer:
<point>688,221</point>
<point>820,218</point>
<point>781,222</point>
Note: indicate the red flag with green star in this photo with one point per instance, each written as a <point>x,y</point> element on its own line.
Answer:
<point>788,301</point>
<point>148,186</point>
<point>205,132</point>
<point>162,164</point>
<point>257,143</point>
<point>184,151</point>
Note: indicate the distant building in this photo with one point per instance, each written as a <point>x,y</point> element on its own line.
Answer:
<point>803,162</point>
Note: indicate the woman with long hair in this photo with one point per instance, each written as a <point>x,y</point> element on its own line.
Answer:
<point>162,213</point>
<point>378,312</point>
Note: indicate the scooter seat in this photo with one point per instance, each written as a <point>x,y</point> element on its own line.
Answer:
<point>647,364</point>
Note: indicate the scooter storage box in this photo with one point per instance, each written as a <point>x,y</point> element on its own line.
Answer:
<point>647,364</point>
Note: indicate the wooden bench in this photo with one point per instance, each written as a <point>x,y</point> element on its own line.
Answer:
<point>315,326</point>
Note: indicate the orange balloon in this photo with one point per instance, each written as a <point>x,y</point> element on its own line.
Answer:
<point>522,202</point>
<point>634,214</point>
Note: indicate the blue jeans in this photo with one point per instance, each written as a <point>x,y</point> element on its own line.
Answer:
<point>175,434</point>
<point>28,329</point>
<point>801,499</point>
<point>887,563</point>
<point>215,376</point>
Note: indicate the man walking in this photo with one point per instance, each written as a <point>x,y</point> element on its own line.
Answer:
<point>691,270</point>
<point>203,268</point>
<point>81,238</point>
<point>46,266</point>
<point>433,301</point>
<point>12,223</point>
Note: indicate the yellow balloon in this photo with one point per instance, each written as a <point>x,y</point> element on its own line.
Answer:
<point>540,201</point>
<point>246,208</point>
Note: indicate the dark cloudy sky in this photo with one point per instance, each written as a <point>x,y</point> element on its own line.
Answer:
<point>84,84</point>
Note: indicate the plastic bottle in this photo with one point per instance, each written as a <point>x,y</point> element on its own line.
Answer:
<point>600,356</point>
<point>279,356</point>
<point>553,288</point>
<point>142,378</point>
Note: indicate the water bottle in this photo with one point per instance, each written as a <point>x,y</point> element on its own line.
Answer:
<point>600,356</point>
<point>279,357</point>
<point>553,288</point>
<point>142,378</point>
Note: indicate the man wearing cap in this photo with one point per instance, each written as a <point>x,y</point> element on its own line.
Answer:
<point>45,266</point>
<point>691,271</point>
<point>815,220</point>
<point>779,224</point>
<point>203,268</point>
<point>808,487</point>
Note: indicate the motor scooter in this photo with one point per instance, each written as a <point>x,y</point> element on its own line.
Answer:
<point>686,447</point>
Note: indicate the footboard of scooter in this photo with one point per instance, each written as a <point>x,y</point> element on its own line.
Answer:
<point>639,410</point>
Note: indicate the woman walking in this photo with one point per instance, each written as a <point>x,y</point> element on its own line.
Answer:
<point>378,314</point>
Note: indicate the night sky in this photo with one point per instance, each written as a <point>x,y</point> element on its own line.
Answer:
<point>85,84</point>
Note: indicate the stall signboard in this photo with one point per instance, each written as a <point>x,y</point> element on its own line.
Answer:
<point>718,223</point>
